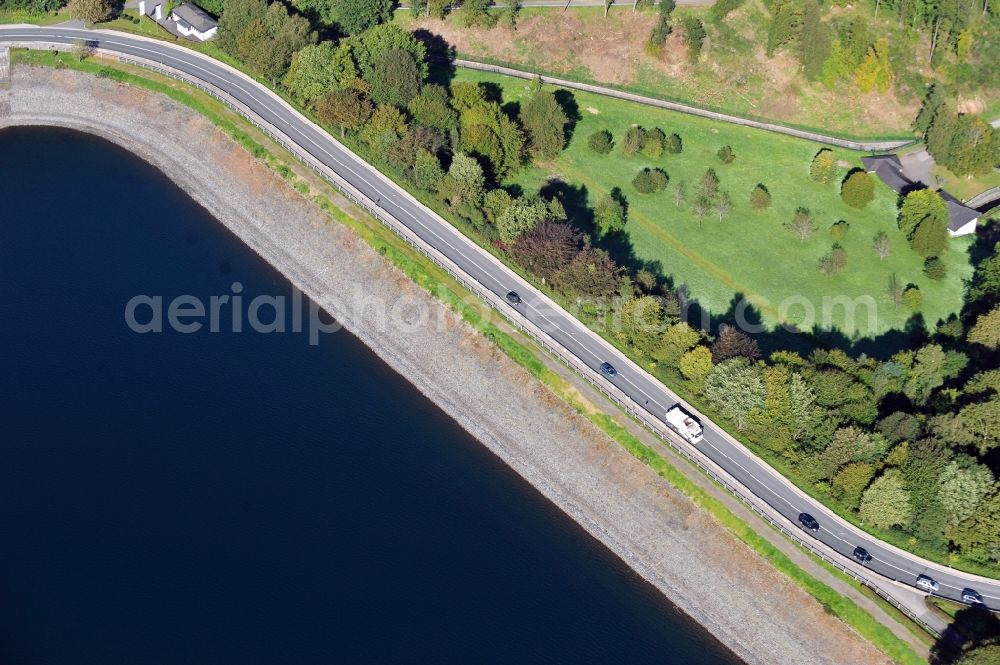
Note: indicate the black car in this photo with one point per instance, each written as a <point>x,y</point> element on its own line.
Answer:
<point>808,521</point>
<point>972,597</point>
<point>513,298</point>
<point>609,369</point>
<point>861,555</point>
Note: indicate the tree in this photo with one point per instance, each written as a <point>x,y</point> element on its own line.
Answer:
<point>466,182</point>
<point>760,198</point>
<point>858,189</point>
<point>930,238</point>
<point>708,186</point>
<point>986,330</point>
<point>734,343</point>
<point>635,138</point>
<point>545,122</point>
<point>319,69</point>
<point>431,108</point>
<point>592,273</point>
<point>726,154</point>
<point>875,71</point>
<point>601,142</point>
<point>263,36</point>
<point>979,535</point>
<point>654,143</point>
<point>880,245</point>
<point>696,364</point>
<point>984,654</point>
<point>933,102</point>
<point>523,214</point>
<point>547,248</point>
<point>694,36</point>
<point>679,193</point>
<point>395,80</point>
<point>918,206</point>
<point>356,16</point>
<point>786,20</point>
<point>850,482</point>
<point>801,225</point>
<point>899,426</point>
<point>824,167</point>
<point>609,214</point>
<point>895,290</point>
<point>673,145</point>
<point>833,261</point>
<point>643,321</point>
<point>92,11</point>
<point>648,181</point>
<point>386,126</point>
<point>964,483</point>
<point>724,205</point>
<point>427,172</point>
<point>678,340</point>
<point>701,207</point>
<point>369,45</point>
<point>736,389</point>
<point>345,108</point>
<point>913,298</point>
<point>814,40</point>
<point>886,502</point>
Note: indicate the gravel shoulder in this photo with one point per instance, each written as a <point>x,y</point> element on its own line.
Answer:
<point>755,611</point>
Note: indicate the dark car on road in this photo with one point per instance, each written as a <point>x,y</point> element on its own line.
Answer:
<point>972,597</point>
<point>513,298</point>
<point>861,555</point>
<point>609,369</point>
<point>808,521</point>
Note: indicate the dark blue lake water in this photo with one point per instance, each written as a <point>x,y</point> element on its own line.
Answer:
<point>248,498</point>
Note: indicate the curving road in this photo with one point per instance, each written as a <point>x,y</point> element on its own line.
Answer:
<point>480,266</point>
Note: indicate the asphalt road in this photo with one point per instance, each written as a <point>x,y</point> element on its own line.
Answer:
<point>753,473</point>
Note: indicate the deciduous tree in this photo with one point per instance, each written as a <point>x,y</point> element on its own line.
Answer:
<point>736,389</point>
<point>347,109</point>
<point>545,121</point>
<point>886,502</point>
<point>858,189</point>
<point>986,330</point>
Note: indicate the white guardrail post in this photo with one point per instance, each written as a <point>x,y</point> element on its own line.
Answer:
<point>674,443</point>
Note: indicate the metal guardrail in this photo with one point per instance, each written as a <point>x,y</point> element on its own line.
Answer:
<point>620,399</point>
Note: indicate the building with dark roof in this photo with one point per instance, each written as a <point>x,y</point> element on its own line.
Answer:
<point>193,21</point>
<point>961,218</point>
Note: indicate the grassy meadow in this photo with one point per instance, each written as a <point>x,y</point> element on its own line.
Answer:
<point>748,252</point>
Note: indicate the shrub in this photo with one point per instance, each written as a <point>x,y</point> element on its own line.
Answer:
<point>858,189</point>
<point>673,144</point>
<point>824,167</point>
<point>760,198</point>
<point>726,154</point>
<point>934,268</point>
<point>839,229</point>
<point>601,142</point>
<point>648,181</point>
<point>654,143</point>
<point>635,138</point>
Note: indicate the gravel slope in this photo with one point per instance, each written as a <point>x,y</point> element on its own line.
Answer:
<point>755,611</point>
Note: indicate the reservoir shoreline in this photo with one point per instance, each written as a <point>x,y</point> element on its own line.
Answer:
<point>752,609</point>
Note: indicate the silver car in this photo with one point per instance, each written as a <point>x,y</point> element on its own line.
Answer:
<point>927,583</point>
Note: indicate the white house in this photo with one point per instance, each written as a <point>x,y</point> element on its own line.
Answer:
<point>961,218</point>
<point>193,21</point>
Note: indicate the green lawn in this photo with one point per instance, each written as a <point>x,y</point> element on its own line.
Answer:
<point>748,252</point>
